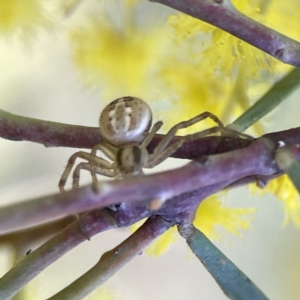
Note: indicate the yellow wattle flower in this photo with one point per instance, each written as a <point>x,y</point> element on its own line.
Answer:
<point>24,17</point>
<point>162,243</point>
<point>285,192</point>
<point>226,62</point>
<point>125,61</point>
<point>212,215</point>
<point>224,51</point>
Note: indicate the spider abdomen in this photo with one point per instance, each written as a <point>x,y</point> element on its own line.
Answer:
<point>125,121</point>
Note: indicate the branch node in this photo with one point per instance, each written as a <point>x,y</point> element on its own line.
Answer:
<point>279,53</point>
<point>186,229</point>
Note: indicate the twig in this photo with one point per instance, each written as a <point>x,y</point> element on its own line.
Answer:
<point>234,283</point>
<point>52,134</point>
<point>256,159</point>
<point>113,260</point>
<point>222,14</point>
<point>278,93</point>
<point>183,208</point>
<point>36,261</point>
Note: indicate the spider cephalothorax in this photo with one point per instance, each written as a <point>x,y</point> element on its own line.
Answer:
<point>125,128</point>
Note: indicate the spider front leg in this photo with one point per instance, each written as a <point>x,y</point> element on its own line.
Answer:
<point>157,158</point>
<point>94,160</point>
<point>110,152</point>
<point>107,149</point>
<point>164,150</point>
<point>166,140</point>
<point>152,133</point>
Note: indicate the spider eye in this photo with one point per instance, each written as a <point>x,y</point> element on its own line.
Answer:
<point>125,121</point>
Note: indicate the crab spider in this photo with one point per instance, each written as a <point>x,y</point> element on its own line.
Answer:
<point>125,128</point>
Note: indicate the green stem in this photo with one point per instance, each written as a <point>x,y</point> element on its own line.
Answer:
<point>113,260</point>
<point>278,93</point>
<point>234,283</point>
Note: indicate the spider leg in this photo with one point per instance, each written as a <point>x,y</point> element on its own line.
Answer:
<point>105,149</point>
<point>225,130</point>
<point>152,133</point>
<point>168,137</point>
<point>92,168</point>
<point>108,150</point>
<point>84,155</point>
<point>203,133</point>
<point>158,158</point>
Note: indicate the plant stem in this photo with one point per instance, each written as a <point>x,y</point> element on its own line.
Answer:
<point>277,94</point>
<point>234,283</point>
<point>256,159</point>
<point>113,260</point>
<point>32,264</point>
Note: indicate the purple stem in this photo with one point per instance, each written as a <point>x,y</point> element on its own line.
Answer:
<point>256,159</point>
<point>183,208</point>
<point>52,134</point>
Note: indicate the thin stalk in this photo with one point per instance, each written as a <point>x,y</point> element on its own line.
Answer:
<point>277,94</point>
<point>234,283</point>
<point>36,261</point>
<point>113,260</point>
